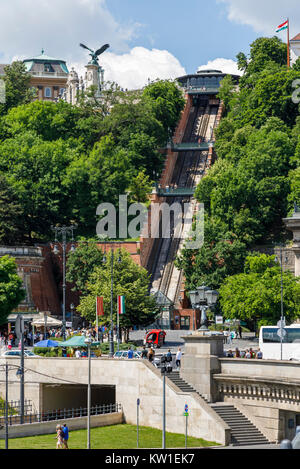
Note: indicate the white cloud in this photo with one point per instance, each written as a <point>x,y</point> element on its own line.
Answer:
<point>133,69</point>
<point>224,65</point>
<point>58,26</point>
<point>264,15</point>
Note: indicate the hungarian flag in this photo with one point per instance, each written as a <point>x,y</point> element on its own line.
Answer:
<point>121,304</point>
<point>99,306</point>
<point>282,26</point>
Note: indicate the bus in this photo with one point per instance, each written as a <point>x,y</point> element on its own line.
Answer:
<point>270,343</point>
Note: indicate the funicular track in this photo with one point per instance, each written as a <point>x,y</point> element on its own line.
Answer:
<point>187,173</point>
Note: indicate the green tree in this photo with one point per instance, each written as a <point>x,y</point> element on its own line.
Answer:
<point>139,188</point>
<point>11,229</point>
<point>255,294</point>
<point>17,90</point>
<point>11,291</point>
<point>82,263</point>
<point>36,170</point>
<point>130,280</point>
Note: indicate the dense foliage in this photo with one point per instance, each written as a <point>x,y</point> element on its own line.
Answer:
<point>255,181</point>
<point>61,161</point>
<point>130,280</point>
<point>11,291</point>
<point>255,294</point>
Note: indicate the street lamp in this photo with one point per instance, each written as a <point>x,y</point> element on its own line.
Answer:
<point>63,231</point>
<point>166,367</point>
<point>203,298</point>
<point>72,307</point>
<point>111,332</point>
<point>88,342</point>
<point>282,320</point>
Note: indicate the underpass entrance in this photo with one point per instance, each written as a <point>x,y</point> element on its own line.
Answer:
<point>54,397</point>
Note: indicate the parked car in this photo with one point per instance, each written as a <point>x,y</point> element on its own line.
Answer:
<point>17,353</point>
<point>124,354</point>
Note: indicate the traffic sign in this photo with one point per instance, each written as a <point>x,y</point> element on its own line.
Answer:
<point>281,324</point>
<point>281,333</point>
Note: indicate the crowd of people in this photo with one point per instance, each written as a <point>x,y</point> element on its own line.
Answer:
<point>249,353</point>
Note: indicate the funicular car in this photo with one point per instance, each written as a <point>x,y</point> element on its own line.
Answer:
<point>155,338</point>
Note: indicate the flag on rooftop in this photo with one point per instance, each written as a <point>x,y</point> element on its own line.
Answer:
<point>282,26</point>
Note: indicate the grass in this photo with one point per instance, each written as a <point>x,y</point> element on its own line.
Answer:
<point>114,437</point>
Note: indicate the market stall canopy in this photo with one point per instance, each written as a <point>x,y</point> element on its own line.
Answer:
<point>51,322</point>
<point>77,341</point>
<point>46,343</point>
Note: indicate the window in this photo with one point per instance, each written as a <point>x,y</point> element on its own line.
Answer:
<point>62,91</point>
<point>47,68</point>
<point>292,336</point>
<point>48,93</point>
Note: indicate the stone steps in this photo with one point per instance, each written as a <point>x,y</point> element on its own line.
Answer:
<point>243,432</point>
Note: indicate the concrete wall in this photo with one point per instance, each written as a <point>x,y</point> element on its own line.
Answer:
<point>48,428</point>
<point>133,379</point>
<point>270,412</point>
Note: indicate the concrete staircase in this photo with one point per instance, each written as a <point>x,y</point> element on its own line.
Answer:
<point>182,385</point>
<point>243,432</point>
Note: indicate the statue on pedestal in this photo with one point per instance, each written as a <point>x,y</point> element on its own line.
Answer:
<point>95,54</point>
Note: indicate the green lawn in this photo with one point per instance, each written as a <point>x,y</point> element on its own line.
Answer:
<point>114,437</point>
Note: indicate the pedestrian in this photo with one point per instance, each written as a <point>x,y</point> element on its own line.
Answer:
<point>237,353</point>
<point>253,354</point>
<point>243,354</point>
<point>240,332</point>
<point>59,436</point>
<point>259,354</point>
<point>151,355</point>
<point>65,436</point>
<point>78,353</point>
<point>169,356</point>
<point>178,358</point>
<point>130,353</point>
<point>144,353</point>
<point>248,354</point>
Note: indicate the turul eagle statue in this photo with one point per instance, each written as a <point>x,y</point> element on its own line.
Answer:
<point>95,54</point>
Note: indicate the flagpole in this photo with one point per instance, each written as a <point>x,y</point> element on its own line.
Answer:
<point>97,323</point>
<point>118,324</point>
<point>288,45</point>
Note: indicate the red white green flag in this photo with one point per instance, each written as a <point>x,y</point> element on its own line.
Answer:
<point>121,304</point>
<point>283,26</point>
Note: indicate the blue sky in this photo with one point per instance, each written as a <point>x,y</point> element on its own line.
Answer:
<point>195,31</point>
<point>149,38</point>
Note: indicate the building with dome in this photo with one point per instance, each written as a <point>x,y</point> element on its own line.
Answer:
<point>49,76</point>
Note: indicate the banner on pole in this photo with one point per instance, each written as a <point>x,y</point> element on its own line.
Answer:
<point>99,305</point>
<point>121,305</point>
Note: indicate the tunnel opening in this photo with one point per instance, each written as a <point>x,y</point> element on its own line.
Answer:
<point>71,396</point>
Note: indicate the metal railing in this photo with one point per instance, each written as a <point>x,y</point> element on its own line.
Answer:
<point>49,74</point>
<point>62,414</point>
<point>15,406</point>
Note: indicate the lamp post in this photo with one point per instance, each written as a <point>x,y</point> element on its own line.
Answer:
<point>88,342</point>
<point>203,298</point>
<point>281,331</point>
<point>111,332</point>
<point>72,307</point>
<point>64,232</point>
<point>166,367</point>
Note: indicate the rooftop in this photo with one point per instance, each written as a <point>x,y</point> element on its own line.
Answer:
<point>296,38</point>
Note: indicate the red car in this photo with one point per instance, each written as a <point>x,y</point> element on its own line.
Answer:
<point>155,338</point>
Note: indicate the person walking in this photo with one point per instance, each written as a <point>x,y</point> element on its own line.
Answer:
<point>65,431</point>
<point>130,353</point>
<point>59,436</point>
<point>178,358</point>
<point>144,353</point>
<point>151,355</point>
